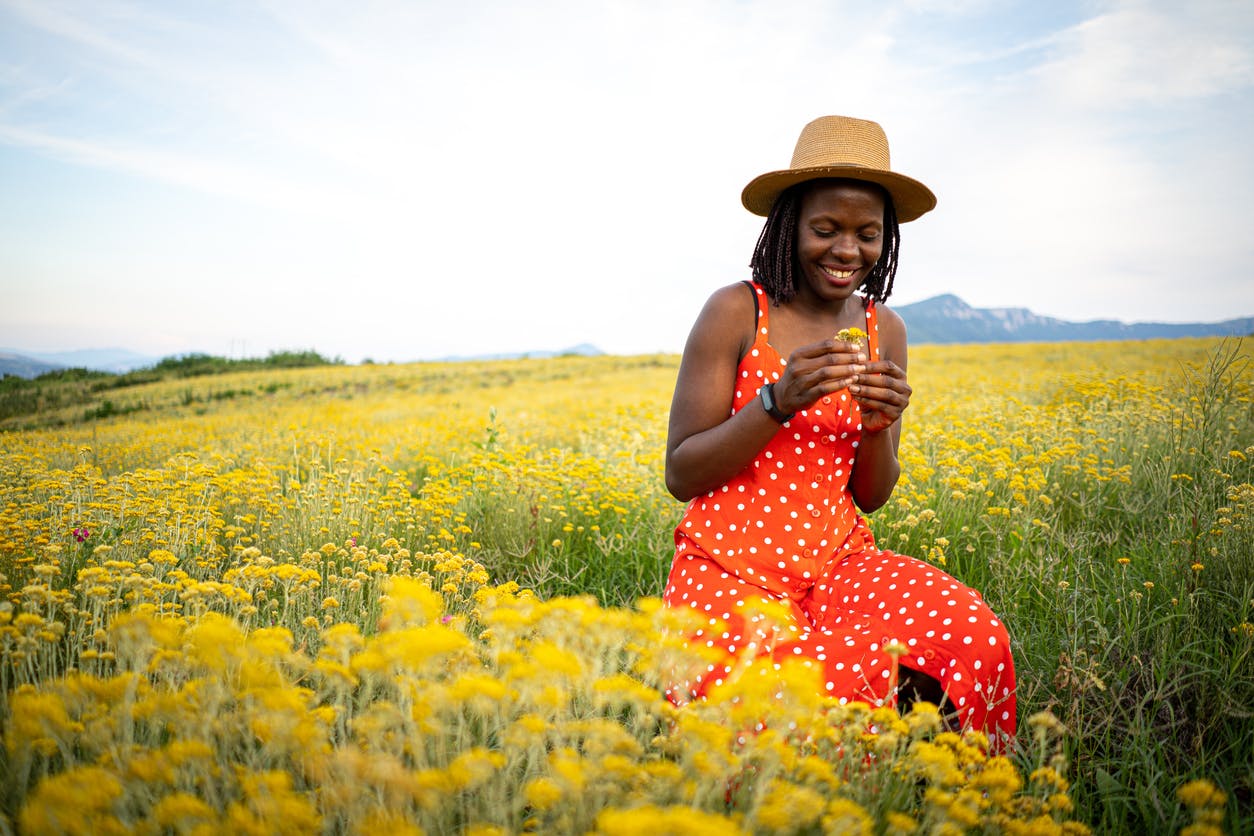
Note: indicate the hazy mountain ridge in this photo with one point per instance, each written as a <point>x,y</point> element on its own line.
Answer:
<point>115,360</point>
<point>23,365</point>
<point>940,319</point>
<point>119,360</point>
<point>948,319</point>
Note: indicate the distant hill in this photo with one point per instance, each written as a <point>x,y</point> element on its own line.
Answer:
<point>30,364</point>
<point>948,319</point>
<point>34,363</point>
<point>941,319</point>
<point>23,366</point>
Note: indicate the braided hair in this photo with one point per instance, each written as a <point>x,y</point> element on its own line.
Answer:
<point>774,261</point>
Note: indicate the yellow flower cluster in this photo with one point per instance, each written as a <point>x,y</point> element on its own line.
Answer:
<point>851,335</point>
<point>1206,803</point>
<point>306,607</point>
<point>551,719</point>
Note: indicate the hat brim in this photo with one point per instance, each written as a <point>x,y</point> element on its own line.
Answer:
<point>911,198</point>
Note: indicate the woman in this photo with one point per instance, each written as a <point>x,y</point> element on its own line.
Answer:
<point>780,432</point>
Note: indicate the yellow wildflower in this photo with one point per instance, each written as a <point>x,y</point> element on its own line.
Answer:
<point>542,793</point>
<point>663,821</point>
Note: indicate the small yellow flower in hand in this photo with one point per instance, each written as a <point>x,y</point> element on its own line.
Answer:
<point>853,335</point>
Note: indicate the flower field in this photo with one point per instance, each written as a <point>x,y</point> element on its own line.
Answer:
<point>422,599</point>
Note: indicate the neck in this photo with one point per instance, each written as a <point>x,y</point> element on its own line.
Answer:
<point>806,301</point>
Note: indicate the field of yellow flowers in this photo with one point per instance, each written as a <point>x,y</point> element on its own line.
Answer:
<point>422,599</point>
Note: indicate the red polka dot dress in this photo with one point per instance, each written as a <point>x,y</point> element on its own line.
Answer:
<point>786,529</point>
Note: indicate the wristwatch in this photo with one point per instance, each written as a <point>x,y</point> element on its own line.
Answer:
<point>767,395</point>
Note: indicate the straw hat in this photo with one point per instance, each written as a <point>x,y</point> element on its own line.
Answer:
<point>841,146</point>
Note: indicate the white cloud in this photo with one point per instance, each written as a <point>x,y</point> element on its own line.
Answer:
<point>425,179</point>
<point>1155,53</point>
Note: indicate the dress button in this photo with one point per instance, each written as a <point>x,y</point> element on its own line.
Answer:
<point>807,553</point>
<point>815,512</point>
<point>826,399</point>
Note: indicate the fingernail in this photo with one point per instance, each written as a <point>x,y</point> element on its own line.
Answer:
<point>855,389</point>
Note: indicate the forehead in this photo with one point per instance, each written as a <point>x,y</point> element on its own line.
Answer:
<point>843,196</point>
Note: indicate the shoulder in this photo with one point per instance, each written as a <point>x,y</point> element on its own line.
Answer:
<point>724,330</point>
<point>729,316</point>
<point>733,301</point>
<point>889,320</point>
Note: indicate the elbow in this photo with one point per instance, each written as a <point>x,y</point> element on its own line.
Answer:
<point>871,504</point>
<point>677,487</point>
<point>679,479</point>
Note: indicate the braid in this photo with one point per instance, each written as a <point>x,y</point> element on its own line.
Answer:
<point>774,255</point>
<point>879,284</point>
<point>774,261</point>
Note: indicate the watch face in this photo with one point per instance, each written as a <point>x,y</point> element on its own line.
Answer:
<point>768,403</point>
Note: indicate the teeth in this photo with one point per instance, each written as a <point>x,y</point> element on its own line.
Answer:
<point>840,274</point>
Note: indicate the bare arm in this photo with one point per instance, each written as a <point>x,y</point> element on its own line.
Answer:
<point>707,445</point>
<point>883,394</point>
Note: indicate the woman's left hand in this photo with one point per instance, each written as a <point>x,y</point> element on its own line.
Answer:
<point>883,394</point>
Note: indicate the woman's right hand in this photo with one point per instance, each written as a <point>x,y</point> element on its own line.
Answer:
<point>706,443</point>
<point>817,370</point>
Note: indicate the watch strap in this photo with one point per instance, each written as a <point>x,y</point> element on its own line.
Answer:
<point>767,395</point>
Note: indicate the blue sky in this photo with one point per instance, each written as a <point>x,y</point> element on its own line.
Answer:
<point>411,180</point>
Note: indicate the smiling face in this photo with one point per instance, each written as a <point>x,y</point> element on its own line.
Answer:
<point>840,236</point>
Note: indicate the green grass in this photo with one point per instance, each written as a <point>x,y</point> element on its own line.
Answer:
<point>1125,573</point>
<point>1145,661</point>
<point>54,390</point>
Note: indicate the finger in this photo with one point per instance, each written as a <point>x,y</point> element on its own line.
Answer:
<point>886,367</point>
<point>894,383</point>
<point>879,396</point>
<point>815,371</point>
<point>830,352</point>
<point>848,348</point>
<point>810,388</point>
<point>883,381</point>
<point>834,378</point>
<point>838,359</point>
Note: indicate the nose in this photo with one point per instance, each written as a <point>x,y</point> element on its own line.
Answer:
<point>845,247</point>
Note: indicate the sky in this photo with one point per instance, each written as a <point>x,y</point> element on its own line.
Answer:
<point>416,180</point>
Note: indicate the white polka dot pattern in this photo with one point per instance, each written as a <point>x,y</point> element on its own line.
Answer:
<point>786,529</point>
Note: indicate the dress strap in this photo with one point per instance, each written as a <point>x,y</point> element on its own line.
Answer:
<point>872,331</point>
<point>761,302</point>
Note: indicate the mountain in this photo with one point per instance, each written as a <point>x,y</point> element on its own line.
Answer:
<point>941,319</point>
<point>116,360</point>
<point>948,319</point>
<point>30,364</point>
<point>23,366</point>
